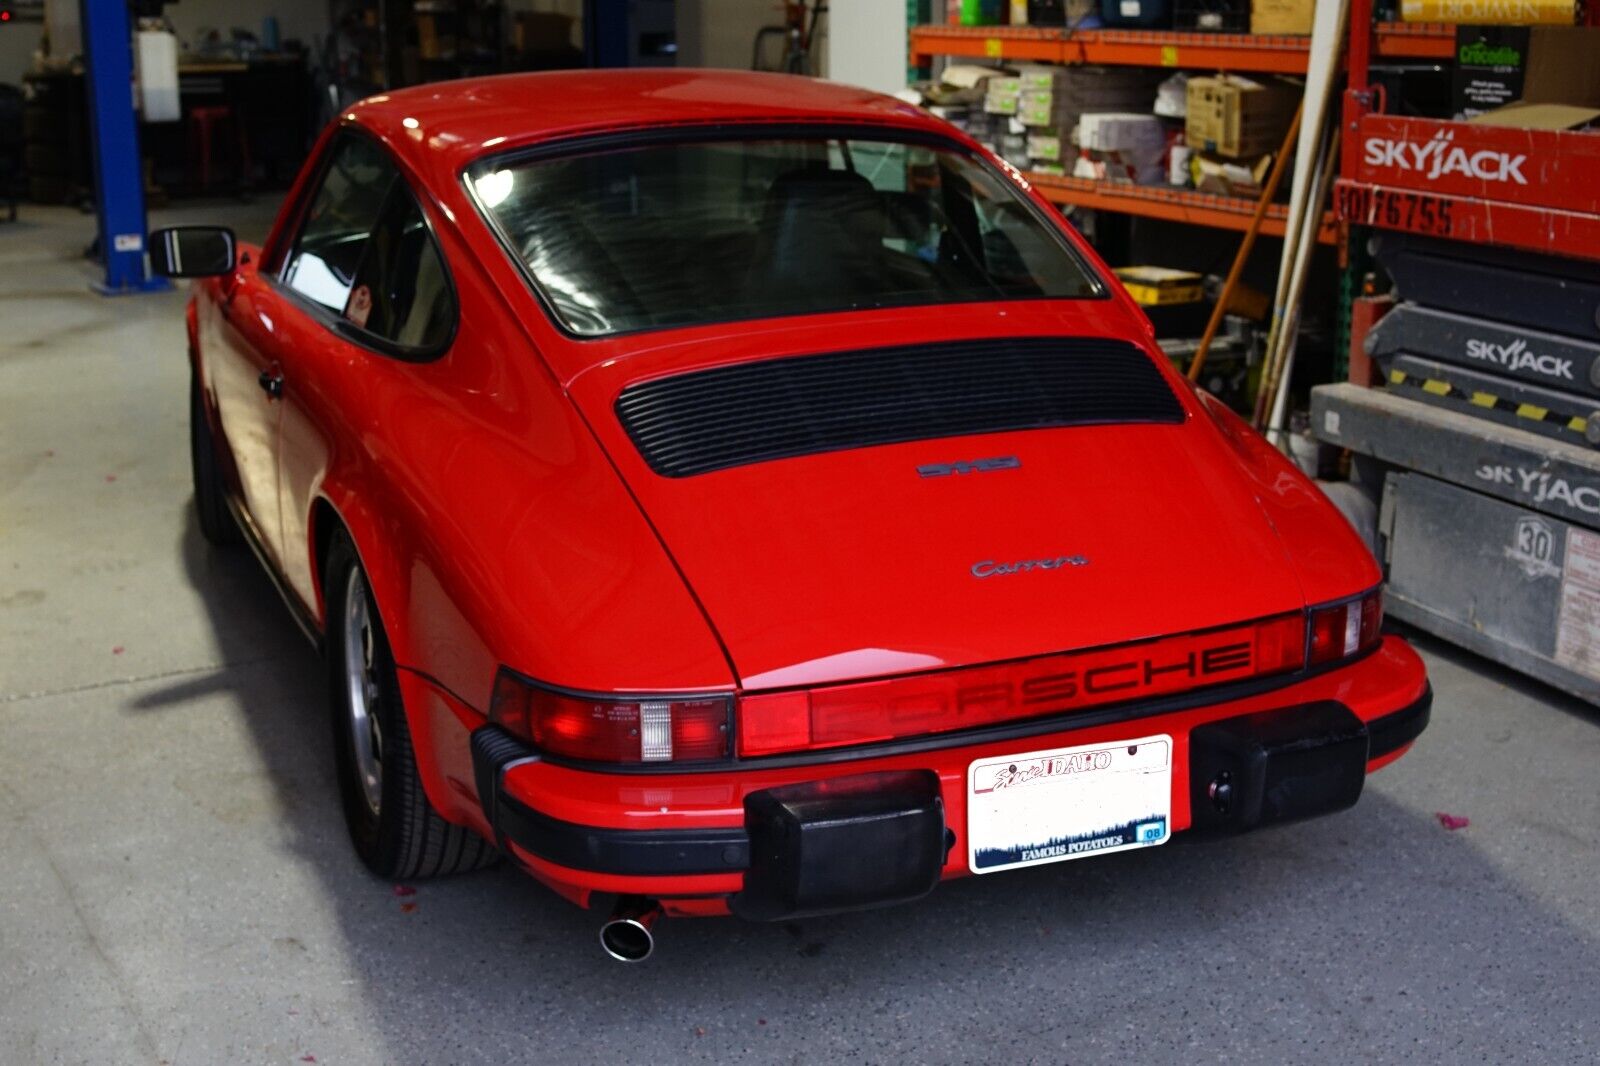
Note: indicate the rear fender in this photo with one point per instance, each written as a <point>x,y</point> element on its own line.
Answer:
<point>1330,559</point>
<point>337,507</point>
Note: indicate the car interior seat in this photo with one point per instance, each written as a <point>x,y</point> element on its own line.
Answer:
<point>821,242</point>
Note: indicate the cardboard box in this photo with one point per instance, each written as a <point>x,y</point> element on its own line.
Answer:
<point>1526,116</point>
<point>1041,75</point>
<point>1491,64</point>
<point>1237,117</point>
<point>1250,302</point>
<point>1153,286</point>
<point>1118,166</point>
<point>1002,96</point>
<point>1076,90</point>
<point>1224,177</point>
<point>1290,17</point>
<point>1119,131</point>
<point>1501,65</point>
<point>1048,147</point>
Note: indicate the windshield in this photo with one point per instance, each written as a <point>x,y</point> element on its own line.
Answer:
<point>686,233</point>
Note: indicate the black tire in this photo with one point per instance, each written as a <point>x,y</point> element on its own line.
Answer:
<point>404,838</point>
<point>217,524</point>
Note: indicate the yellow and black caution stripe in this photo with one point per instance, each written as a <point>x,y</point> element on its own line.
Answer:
<point>1531,411</point>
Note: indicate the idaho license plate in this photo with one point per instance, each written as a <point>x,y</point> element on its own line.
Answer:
<point>1069,803</point>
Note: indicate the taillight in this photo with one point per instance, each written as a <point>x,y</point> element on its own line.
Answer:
<point>869,711</point>
<point>611,728</point>
<point>1342,630</point>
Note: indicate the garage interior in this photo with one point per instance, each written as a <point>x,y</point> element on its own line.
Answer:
<point>178,884</point>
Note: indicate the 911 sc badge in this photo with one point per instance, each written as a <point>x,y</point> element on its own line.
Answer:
<point>970,466</point>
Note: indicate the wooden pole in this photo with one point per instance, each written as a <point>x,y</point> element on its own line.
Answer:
<point>1281,344</point>
<point>1270,190</point>
<point>1289,334</point>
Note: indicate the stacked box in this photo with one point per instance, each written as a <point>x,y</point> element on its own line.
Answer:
<point>980,125</point>
<point>1237,117</point>
<point>1129,145</point>
<point>1117,166</point>
<point>1041,75</point>
<point>1117,131</point>
<point>1013,148</point>
<point>1288,17</point>
<point>1057,96</point>
<point>1228,177</point>
<point>1047,146</point>
<point>1153,286</point>
<point>1002,95</point>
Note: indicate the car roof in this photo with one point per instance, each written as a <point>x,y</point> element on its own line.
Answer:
<point>450,123</point>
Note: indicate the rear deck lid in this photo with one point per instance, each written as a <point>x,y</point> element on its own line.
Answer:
<point>898,510</point>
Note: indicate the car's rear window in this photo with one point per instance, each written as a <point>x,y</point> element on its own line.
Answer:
<point>679,234</point>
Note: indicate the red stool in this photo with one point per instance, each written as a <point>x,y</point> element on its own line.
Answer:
<point>203,121</point>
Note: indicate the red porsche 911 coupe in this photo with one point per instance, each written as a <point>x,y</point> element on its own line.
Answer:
<point>735,492</point>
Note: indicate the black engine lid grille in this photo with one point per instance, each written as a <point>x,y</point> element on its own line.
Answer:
<point>779,408</point>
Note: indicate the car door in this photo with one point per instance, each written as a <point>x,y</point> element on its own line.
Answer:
<point>312,287</point>
<point>241,351</point>
<point>398,310</point>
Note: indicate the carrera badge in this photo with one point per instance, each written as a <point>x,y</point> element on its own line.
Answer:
<point>990,568</point>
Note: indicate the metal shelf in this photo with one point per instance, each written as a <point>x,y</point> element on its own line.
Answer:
<point>1256,53</point>
<point>1169,204</point>
<point>1415,40</point>
<point>1263,53</point>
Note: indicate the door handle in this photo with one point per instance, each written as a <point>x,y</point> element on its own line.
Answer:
<point>271,382</point>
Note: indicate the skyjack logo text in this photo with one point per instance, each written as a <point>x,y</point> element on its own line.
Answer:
<point>1516,356</point>
<point>1438,157</point>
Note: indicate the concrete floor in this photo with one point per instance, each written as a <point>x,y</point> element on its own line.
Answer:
<point>175,884</point>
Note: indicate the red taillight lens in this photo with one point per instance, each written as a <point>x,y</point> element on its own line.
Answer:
<point>1372,618</point>
<point>963,699</point>
<point>1344,629</point>
<point>607,729</point>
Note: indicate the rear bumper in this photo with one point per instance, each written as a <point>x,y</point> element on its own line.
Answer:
<point>779,843</point>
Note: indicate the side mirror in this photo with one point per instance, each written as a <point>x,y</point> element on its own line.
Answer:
<point>192,251</point>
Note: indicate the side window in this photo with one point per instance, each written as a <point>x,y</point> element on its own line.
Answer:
<point>328,252</point>
<point>401,291</point>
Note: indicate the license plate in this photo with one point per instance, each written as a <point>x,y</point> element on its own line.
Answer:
<point>1068,803</point>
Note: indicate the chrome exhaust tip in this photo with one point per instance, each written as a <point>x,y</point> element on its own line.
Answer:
<point>627,935</point>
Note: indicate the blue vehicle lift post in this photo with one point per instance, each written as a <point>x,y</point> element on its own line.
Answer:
<point>118,181</point>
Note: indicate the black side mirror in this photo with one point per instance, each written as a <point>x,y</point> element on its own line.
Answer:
<point>192,251</point>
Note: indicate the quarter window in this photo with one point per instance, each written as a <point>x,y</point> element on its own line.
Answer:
<point>366,254</point>
<point>401,291</point>
<point>354,188</point>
